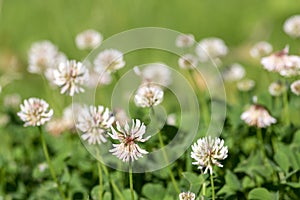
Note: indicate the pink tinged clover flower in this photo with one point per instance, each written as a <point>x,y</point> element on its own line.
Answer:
<point>128,150</point>
<point>35,112</point>
<point>187,196</point>
<point>94,122</point>
<point>148,96</point>
<point>70,77</point>
<point>207,152</point>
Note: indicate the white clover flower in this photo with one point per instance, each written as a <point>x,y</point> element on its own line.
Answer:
<point>245,85</point>
<point>277,88</point>
<point>185,40</point>
<point>88,39</point>
<point>128,150</point>
<point>207,152</point>
<point>261,49</point>
<point>235,72</point>
<point>282,63</point>
<point>171,119</point>
<point>121,116</point>
<point>109,60</point>
<point>94,122</point>
<point>98,79</point>
<point>157,73</point>
<point>12,100</point>
<point>295,87</point>
<point>4,119</point>
<point>258,116</point>
<point>292,26</point>
<point>70,77</point>
<point>35,112</point>
<point>211,48</point>
<point>188,61</point>
<point>57,126</point>
<point>148,96</point>
<point>187,196</point>
<point>43,55</point>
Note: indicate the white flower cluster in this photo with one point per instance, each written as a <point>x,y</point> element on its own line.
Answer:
<point>292,26</point>
<point>211,48</point>
<point>187,196</point>
<point>88,39</point>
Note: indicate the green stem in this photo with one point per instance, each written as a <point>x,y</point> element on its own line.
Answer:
<point>286,108</point>
<point>115,187</point>
<point>261,142</point>
<point>131,181</point>
<point>204,189</point>
<point>167,162</point>
<point>212,187</point>
<point>188,160</point>
<point>100,180</point>
<point>45,149</point>
<point>117,76</point>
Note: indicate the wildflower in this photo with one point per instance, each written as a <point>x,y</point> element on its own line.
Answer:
<point>277,88</point>
<point>185,40</point>
<point>282,63</point>
<point>4,119</point>
<point>188,61</point>
<point>94,122</point>
<point>207,152</point>
<point>295,87</point>
<point>42,167</point>
<point>234,72</point>
<point>157,73</point>
<point>57,126</point>
<point>35,112</point>
<point>148,96</point>
<point>70,76</point>
<point>171,119</point>
<point>128,150</point>
<point>88,39</point>
<point>187,196</point>
<point>121,116</point>
<point>95,79</point>
<point>258,116</point>
<point>245,85</point>
<point>211,48</point>
<point>261,49</point>
<point>292,26</point>
<point>12,100</point>
<point>43,55</point>
<point>109,60</point>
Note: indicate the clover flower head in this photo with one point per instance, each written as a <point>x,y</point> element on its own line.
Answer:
<point>292,26</point>
<point>261,49</point>
<point>35,112</point>
<point>188,61</point>
<point>88,39</point>
<point>234,72</point>
<point>258,116</point>
<point>211,48</point>
<point>187,196</point>
<point>295,87</point>
<point>94,122</point>
<point>277,88</point>
<point>208,152</point>
<point>128,150</point>
<point>148,95</point>
<point>245,85</point>
<point>185,40</point>
<point>70,77</point>
<point>157,73</point>
<point>109,60</point>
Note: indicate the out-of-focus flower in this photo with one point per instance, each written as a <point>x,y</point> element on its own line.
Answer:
<point>188,61</point>
<point>292,26</point>
<point>121,116</point>
<point>295,87</point>
<point>94,122</point>
<point>4,120</point>
<point>157,73</point>
<point>95,79</point>
<point>258,116</point>
<point>207,152</point>
<point>43,55</point>
<point>187,196</point>
<point>128,150</point>
<point>185,40</point>
<point>211,48</point>
<point>109,60</point>
<point>12,100</point>
<point>245,85</point>
<point>35,112</point>
<point>70,77</point>
<point>282,63</point>
<point>42,167</point>
<point>57,126</point>
<point>277,88</point>
<point>148,96</point>
<point>88,39</point>
<point>171,119</point>
<point>235,72</point>
<point>261,49</point>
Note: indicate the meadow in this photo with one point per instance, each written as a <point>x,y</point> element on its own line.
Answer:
<point>149,100</point>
